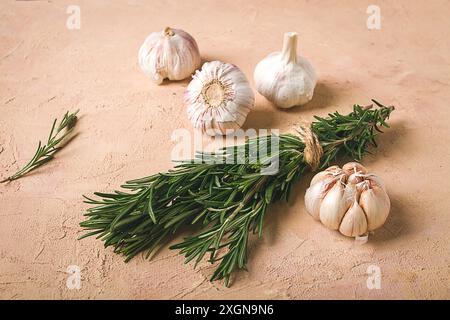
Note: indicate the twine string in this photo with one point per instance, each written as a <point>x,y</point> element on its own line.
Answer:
<point>313,151</point>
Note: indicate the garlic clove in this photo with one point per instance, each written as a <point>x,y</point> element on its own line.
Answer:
<point>354,222</point>
<point>170,54</point>
<point>315,194</point>
<point>363,185</point>
<point>322,175</point>
<point>333,207</point>
<point>376,205</point>
<point>285,78</point>
<point>356,178</point>
<point>375,181</point>
<point>218,98</point>
<point>333,171</point>
<point>354,167</point>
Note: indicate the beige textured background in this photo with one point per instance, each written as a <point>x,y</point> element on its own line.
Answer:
<point>126,124</point>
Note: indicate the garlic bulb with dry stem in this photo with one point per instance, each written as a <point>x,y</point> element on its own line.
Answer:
<point>350,199</point>
<point>285,78</point>
<point>171,54</point>
<point>218,98</point>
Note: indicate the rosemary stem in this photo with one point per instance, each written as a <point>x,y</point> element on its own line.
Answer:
<point>47,152</point>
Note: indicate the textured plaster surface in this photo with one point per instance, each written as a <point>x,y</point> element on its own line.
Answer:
<point>126,124</point>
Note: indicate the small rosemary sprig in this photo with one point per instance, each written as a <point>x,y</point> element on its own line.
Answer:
<point>228,201</point>
<point>56,141</point>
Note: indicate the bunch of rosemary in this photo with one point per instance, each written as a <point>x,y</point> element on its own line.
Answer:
<point>228,201</point>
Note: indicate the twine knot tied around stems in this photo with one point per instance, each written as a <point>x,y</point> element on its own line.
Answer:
<point>313,150</point>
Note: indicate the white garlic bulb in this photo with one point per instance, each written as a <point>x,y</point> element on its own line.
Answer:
<point>218,98</point>
<point>285,78</point>
<point>349,199</point>
<point>171,54</point>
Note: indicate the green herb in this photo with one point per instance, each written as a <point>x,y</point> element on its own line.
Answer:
<point>227,201</point>
<point>56,141</point>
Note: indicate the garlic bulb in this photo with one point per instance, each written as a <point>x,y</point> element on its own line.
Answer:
<point>219,98</point>
<point>350,199</point>
<point>171,54</point>
<point>285,78</point>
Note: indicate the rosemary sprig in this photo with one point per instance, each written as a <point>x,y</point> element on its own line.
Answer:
<point>56,141</point>
<point>228,201</point>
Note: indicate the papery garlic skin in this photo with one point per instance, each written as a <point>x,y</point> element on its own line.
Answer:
<point>218,98</point>
<point>350,199</point>
<point>171,54</point>
<point>285,78</point>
